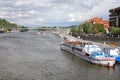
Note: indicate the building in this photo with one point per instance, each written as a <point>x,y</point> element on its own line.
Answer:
<point>98,20</point>
<point>114,17</point>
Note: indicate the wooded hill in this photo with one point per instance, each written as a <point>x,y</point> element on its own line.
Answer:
<point>8,26</point>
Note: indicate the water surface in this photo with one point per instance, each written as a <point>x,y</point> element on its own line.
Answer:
<point>26,56</point>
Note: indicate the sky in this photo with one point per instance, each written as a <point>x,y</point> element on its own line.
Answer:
<point>36,13</point>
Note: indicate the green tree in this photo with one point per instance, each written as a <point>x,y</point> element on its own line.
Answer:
<point>24,29</point>
<point>5,24</point>
<point>98,28</point>
<point>80,28</point>
<point>115,31</point>
<point>74,30</point>
<point>87,27</point>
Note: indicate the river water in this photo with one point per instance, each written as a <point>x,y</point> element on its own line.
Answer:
<point>26,56</point>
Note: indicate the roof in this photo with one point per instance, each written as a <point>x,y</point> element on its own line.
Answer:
<point>100,21</point>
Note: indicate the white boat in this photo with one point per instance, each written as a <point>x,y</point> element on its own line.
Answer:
<point>88,52</point>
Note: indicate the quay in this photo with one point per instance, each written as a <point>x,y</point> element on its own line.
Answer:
<point>63,35</point>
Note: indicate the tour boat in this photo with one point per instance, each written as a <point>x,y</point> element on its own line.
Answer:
<point>88,52</point>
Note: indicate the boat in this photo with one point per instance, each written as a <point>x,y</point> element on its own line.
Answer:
<point>88,52</point>
<point>113,52</point>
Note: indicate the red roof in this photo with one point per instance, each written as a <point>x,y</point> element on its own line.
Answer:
<point>100,21</point>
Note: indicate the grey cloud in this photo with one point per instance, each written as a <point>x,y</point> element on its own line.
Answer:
<point>51,11</point>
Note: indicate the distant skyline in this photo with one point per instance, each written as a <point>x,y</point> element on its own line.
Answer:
<point>35,13</point>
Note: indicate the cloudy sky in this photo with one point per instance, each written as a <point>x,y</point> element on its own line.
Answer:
<point>36,13</point>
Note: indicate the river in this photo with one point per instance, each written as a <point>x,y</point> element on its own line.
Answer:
<point>26,56</point>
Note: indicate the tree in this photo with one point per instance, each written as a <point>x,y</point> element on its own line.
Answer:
<point>115,31</point>
<point>87,27</point>
<point>74,30</point>
<point>9,26</point>
<point>23,29</point>
<point>80,29</point>
<point>98,28</point>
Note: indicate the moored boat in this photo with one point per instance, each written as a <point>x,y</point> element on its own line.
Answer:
<point>88,52</point>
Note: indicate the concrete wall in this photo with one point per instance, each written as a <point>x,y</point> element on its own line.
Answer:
<point>103,39</point>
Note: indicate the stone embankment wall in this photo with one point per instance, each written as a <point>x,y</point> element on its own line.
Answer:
<point>107,40</point>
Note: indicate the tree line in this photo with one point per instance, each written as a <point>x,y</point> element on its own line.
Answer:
<point>8,26</point>
<point>89,28</point>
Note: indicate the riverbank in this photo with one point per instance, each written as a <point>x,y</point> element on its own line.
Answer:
<point>103,43</point>
<point>101,39</point>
